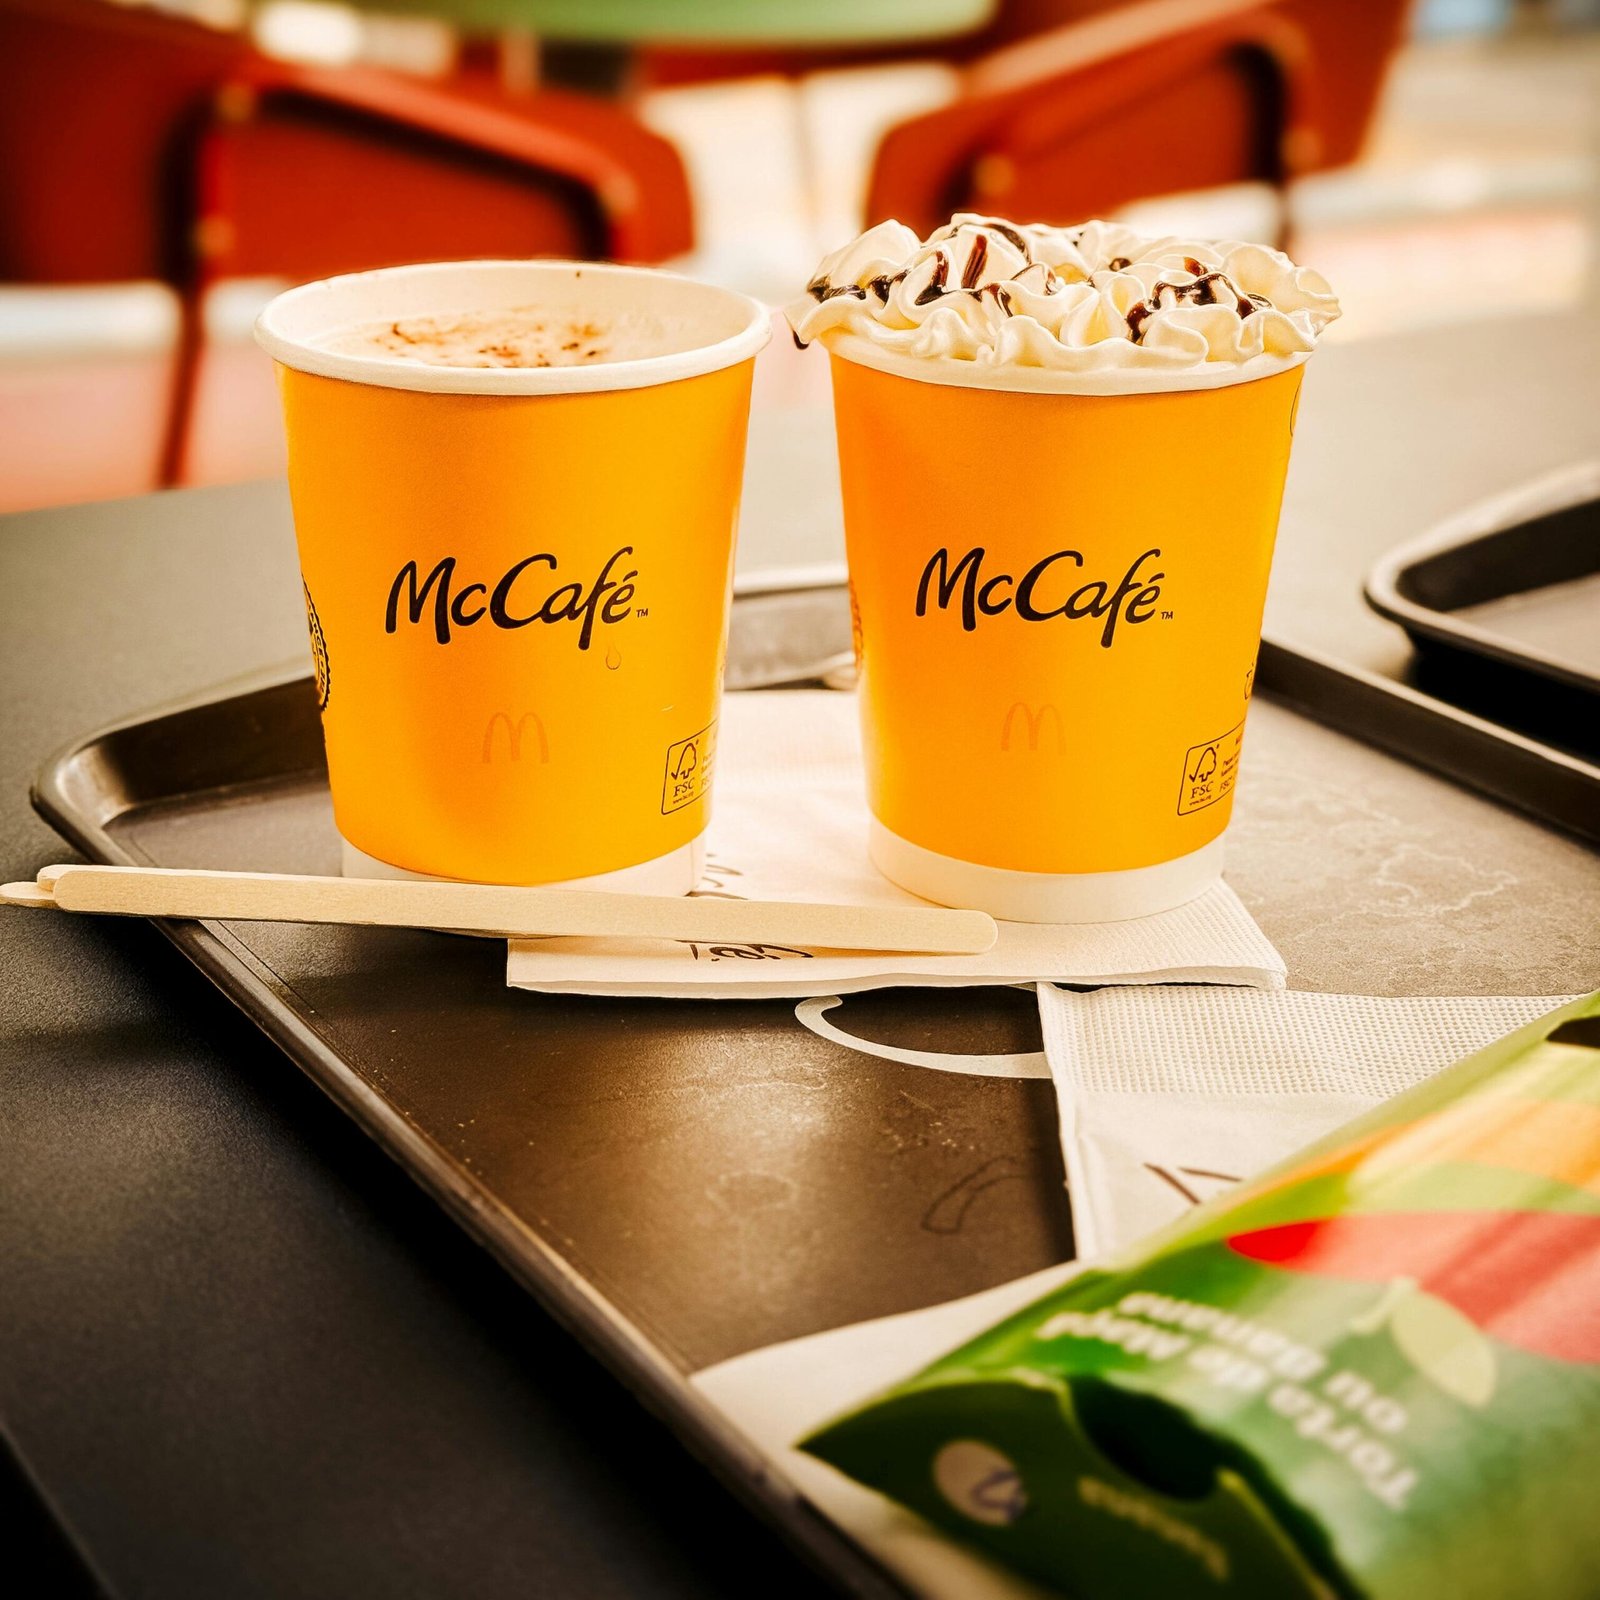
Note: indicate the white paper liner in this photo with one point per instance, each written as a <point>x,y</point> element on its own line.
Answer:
<point>791,822</point>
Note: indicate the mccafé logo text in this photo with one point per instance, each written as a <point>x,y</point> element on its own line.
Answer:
<point>516,600</point>
<point>1041,594</point>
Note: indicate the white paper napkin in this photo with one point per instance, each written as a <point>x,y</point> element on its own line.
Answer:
<point>1168,1096</point>
<point>790,823</point>
<point>777,1395</point>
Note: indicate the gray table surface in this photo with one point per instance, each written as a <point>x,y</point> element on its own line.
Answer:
<point>239,1355</point>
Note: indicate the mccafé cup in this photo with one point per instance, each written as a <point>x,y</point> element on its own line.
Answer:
<point>1063,451</point>
<point>517,577</point>
<point>1057,579</point>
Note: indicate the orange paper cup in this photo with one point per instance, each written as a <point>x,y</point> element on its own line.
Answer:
<point>517,579</point>
<point>1058,600</point>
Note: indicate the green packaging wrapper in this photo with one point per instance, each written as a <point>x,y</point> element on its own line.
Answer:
<point>1373,1372</point>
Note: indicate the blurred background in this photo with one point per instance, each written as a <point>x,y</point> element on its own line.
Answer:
<point>167,165</point>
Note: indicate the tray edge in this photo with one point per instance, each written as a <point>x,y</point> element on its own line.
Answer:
<point>580,1309</point>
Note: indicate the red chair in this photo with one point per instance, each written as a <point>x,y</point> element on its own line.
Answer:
<point>134,146</point>
<point>1074,123</point>
<point>1349,45</point>
<point>299,173</point>
<point>296,174</point>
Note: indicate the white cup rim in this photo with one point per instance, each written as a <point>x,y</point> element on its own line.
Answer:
<point>285,327</point>
<point>1010,378</point>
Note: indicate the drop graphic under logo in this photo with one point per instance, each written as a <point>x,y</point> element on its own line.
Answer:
<point>319,649</point>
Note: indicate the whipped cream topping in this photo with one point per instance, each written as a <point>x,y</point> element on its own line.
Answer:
<point>1094,298</point>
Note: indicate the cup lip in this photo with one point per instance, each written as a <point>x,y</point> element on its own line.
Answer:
<point>272,333</point>
<point>953,373</point>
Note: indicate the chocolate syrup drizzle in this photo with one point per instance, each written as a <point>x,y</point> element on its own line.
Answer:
<point>1210,287</point>
<point>1011,236</point>
<point>935,286</point>
<point>976,257</point>
<point>1049,283</point>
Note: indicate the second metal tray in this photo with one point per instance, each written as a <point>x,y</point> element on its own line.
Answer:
<point>1515,581</point>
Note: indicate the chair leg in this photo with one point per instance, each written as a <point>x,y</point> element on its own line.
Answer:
<point>1283,233</point>
<point>181,404</point>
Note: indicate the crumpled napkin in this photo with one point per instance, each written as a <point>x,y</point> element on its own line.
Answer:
<point>1169,1096</point>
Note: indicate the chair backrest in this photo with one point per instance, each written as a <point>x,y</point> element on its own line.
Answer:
<point>1055,133</point>
<point>1352,43</point>
<point>1352,46</point>
<point>135,146</point>
<point>92,99</point>
<point>300,173</point>
<point>296,187</point>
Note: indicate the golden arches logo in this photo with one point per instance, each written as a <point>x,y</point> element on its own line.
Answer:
<point>1037,718</point>
<point>515,732</point>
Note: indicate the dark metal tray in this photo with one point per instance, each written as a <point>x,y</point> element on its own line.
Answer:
<point>1456,721</point>
<point>1514,581</point>
<point>682,1181</point>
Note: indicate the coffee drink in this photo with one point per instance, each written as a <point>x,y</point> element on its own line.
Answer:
<point>526,336</point>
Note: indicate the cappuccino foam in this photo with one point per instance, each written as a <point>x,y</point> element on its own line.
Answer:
<point>526,336</point>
